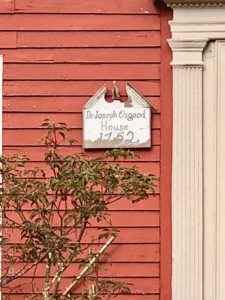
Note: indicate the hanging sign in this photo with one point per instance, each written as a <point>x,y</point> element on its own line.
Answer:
<point>117,124</point>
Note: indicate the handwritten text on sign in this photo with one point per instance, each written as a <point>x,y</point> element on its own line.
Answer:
<point>117,128</point>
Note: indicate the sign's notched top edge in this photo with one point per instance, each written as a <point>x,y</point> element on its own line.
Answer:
<point>132,94</point>
<point>100,93</point>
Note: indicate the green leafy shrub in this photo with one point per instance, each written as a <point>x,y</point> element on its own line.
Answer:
<point>47,211</point>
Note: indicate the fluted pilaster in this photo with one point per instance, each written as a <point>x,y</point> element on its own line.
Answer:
<point>187,186</point>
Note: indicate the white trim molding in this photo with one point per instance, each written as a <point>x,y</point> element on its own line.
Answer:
<point>192,28</point>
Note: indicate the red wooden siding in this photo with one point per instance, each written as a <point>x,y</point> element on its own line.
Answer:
<point>57,53</point>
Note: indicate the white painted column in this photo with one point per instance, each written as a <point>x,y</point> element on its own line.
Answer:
<point>187,200</point>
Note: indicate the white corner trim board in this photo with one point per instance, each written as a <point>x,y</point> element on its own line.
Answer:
<point>192,28</point>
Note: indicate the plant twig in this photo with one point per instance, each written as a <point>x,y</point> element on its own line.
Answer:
<point>57,278</point>
<point>47,276</point>
<point>21,272</point>
<point>84,271</point>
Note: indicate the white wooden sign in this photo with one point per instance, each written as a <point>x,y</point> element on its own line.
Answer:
<point>117,124</point>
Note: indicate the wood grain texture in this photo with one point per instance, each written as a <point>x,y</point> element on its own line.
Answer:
<point>73,120</point>
<point>7,6</point>
<point>87,39</point>
<point>61,22</point>
<point>114,271</point>
<point>72,88</point>
<point>126,219</point>
<point>128,237</point>
<point>68,104</point>
<point>8,39</point>
<point>84,55</point>
<point>86,6</point>
<point>142,288</point>
<point>37,153</point>
<point>81,71</point>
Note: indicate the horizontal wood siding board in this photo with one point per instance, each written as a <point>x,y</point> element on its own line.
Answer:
<point>120,241</point>
<point>72,88</point>
<point>146,167</point>
<point>64,105</point>
<point>86,6</point>
<point>118,253</point>
<point>80,39</point>
<point>124,270</point>
<point>139,237</point>
<point>8,39</point>
<point>126,219</point>
<point>16,137</point>
<point>129,270</point>
<point>37,153</point>
<point>65,39</point>
<point>73,120</point>
<point>76,148</point>
<point>7,6</point>
<point>77,55</point>
<point>139,286</point>
<point>150,204</point>
<point>81,71</point>
<point>21,22</point>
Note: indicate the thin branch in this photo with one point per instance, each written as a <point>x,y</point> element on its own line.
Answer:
<point>85,270</point>
<point>57,278</point>
<point>20,273</point>
<point>47,276</point>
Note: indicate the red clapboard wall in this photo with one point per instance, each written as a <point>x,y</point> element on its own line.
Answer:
<point>57,53</point>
